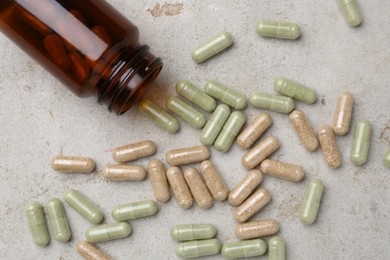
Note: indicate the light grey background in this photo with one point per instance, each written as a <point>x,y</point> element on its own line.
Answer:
<point>39,118</point>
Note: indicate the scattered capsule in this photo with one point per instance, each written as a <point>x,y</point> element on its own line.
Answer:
<point>72,164</point>
<point>295,90</point>
<point>159,116</point>
<point>37,223</point>
<point>260,228</point>
<point>159,181</point>
<point>195,95</point>
<point>198,189</point>
<point>286,171</point>
<point>281,30</point>
<point>134,210</point>
<point>311,201</point>
<point>214,181</point>
<point>215,124</point>
<point>254,130</point>
<point>56,51</point>
<point>226,95</point>
<point>181,192</point>
<point>361,142</point>
<point>189,232</point>
<point>304,130</point>
<point>276,248</point>
<point>58,221</point>
<point>245,187</point>
<point>351,12</point>
<point>188,155</point>
<point>343,114</point>
<point>134,151</point>
<point>90,252</point>
<point>230,131</point>
<point>107,232</point>
<point>198,248</point>
<point>260,152</point>
<point>386,159</point>
<point>212,46</point>
<point>329,146</point>
<point>186,112</point>
<point>252,205</point>
<point>272,102</point>
<point>248,248</point>
<point>83,206</point>
<point>123,172</point>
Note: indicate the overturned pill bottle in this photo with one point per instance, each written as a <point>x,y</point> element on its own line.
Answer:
<point>87,45</point>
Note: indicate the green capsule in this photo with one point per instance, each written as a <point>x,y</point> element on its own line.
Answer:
<point>83,206</point>
<point>107,232</point>
<point>351,12</point>
<point>37,223</point>
<point>281,30</point>
<point>186,112</point>
<point>189,232</point>
<point>230,131</point>
<point>58,221</point>
<point>134,210</point>
<point>215,124</point>
<point>295,90</point>
<point>212,46</point>
<point>276,248</point>
<point>159,116</point>
<point>247,248</point>
<point>311,201</point>
<point>361,142</point>
<point>195,95</point>
<point>226,95</point>
<point>386,159</point>
<point>198,248</point>
<point>272,102</point>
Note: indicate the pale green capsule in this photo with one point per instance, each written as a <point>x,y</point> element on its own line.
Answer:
<point>247,248</point>
<point>212,46</point>
<point>134,210</point>
<point>351,12</point>
<point>188,232</point>
<point>361,142</point>
<point>230,131</point>
<point>159,116</point>
<point>215,124</point>
<point>386,159</point>
<point>195,95</point>
<point>198,248</point>
<point>276,248</point>
<point>186,112</point>
<point>37,223</point>
<point>58,220</point>
<point>311,201</point>
<point>281,30</point>
<point>226,95</point>
<point>272,102</point>
<point>107,232</point>
<point>295,90</point>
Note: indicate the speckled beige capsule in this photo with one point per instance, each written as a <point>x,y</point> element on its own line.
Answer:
<point>63,163</point>
<point>245,187</point>
<point>260,228</point>
<point>134,151</point>
<point>252,205</point>
<point>254,130</point>
<point>90,252</point>
<point>214,181</point>
<point>188,155</point>
<point>286,171</point>
<point>181,192</point>
<point>343,114</point>
<point>159,181</point>
<point>260,152</point>
<point>122,172</point>
<point>198,189</point>
<point>329,146</point>
<point>304,130</point>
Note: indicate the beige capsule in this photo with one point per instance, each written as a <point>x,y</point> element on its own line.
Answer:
<point>188,155</point>
<point>252,205</point>
<point>90,252</point>
<point>254,130</point>
<point>198,189</point>
<point>134,151</point>
<point>260,228</point>
<point>245,187</point>
<point>329,146</point>
<point>343,114</point>
<point>122,172</point>
<point>286,171</point>
<point>260,152</point>
<point>304,130</point>
<point>64,163</point>
<point>159,181</point>
<point>214,181</point>
<point>181,192</point>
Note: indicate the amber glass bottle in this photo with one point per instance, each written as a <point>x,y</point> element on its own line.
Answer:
<point>87,44</point>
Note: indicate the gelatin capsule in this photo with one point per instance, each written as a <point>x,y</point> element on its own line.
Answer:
<point>198,248</point>
<point>226,95</point>
<point>254,130</point>
<point>254,229</point>
<point>351,12</point>
<point>245,187</point>
<point>186,112</point>
<point>281,30</point>
<point>329,146</point>
<point>56,50</point>
<point>272,102</point>
<point>295,90</point>
<point>188,155</point>
<point>72,164</point>
<point>286,171</point>
<point>252,205</point>
<point>343,114</point>
<point>90,252</point>
<point>159,116</point>
<point>181,192</point>
<point>134,210</point>
<point>189,232</point>
<point>37,223</point>
<point>31,20</point>
<point>134,151</point>
<point>304,130</point>
<point>212,46</point>
<point>230,131</point>
<point>58,220</point>
<point>248,248</point>
<point>214,125</point>
<point>311,201</point>
<point>159,180</point>
<point>386,159</point>
<point>80,68</point>
<point>260,152</point>
<point>361,142</point>
<point>83,206</point>
<point>107,232</point>
<point>102,33</point>
<point>195,95</point>
<point>198,189</point>
<point>214,181</point>
<point>122,172</point>
<point>276,248</point>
